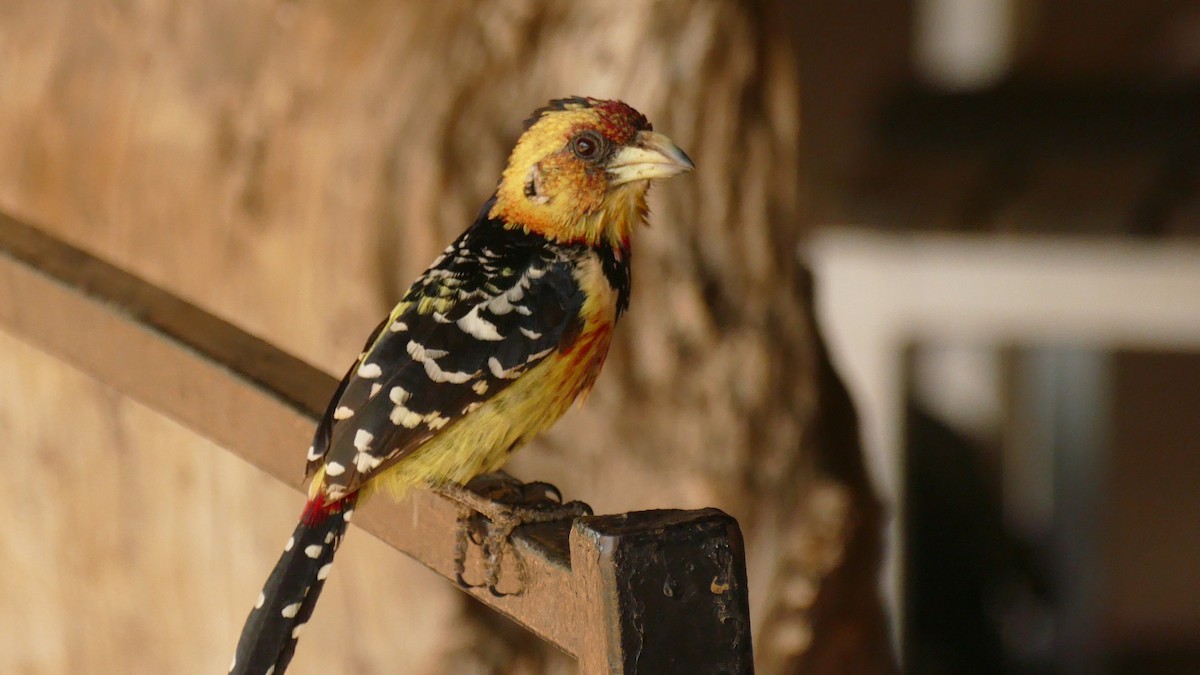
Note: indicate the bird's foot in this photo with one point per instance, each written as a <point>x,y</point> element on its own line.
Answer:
<point>491,506</point>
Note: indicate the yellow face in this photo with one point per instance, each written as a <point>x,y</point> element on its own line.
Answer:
<point>580,172</point>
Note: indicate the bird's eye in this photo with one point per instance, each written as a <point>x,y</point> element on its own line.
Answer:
<point>587,145</point>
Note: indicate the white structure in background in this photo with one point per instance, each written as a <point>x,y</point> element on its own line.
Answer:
<point>964,44</point>
<point>878,293</point>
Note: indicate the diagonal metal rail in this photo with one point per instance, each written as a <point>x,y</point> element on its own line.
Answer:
<point>645,592</point>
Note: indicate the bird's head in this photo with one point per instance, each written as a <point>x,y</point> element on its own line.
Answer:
<point>580,172</point>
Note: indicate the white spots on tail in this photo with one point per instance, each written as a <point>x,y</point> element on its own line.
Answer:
<point>472,407</point>
<point>362,440</point>
<point>500,305</point>
<point>507,301</point>
<point>290,611</point>
<point>404,417</point>
<point>324,571</point>
<point>440,317</point>
<point>375,389</point>
<point>370,371</point>
<point>313,551</point>
<point>329,538</point>
<point>477,327</point>
<point>435,420</point>
<point>399,395</point>
<point>537,355</point>
<point>290,543</point>
<point>398,327</point>
<point>233,664</point>
<point>420,354</point>
<point>500,373</point>
<point>259,603</point>
<point>313,453</point>
<point>334,469</point>
<point>271,670</point>
<point>343,413</point>
<point>365,462</point>
<point>435,373</point>
<point>296,632</point>
<point>425,357</point>
<point>480,387</point>
<point>408,419</point>
<point>531,334</point>
<point>346,518</point>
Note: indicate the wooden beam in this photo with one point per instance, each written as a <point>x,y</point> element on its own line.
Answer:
<point>655,591</point>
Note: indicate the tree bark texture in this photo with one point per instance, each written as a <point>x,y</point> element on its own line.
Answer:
<point>292,166</point>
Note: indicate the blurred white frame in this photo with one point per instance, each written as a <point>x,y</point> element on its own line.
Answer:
<point>877,293</point>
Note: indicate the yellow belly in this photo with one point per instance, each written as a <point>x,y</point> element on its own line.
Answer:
<point>483,440</point>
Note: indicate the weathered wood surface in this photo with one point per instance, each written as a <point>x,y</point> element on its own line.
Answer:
<point>292,166</point>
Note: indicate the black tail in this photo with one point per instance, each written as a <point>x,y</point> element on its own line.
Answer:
<point>290,595</point>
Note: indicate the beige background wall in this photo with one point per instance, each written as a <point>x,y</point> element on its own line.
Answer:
<point>291,166</point>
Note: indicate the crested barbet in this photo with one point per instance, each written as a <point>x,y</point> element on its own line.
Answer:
<point>489,347</point>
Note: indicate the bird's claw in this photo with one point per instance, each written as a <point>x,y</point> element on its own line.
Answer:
<point>491,507</point>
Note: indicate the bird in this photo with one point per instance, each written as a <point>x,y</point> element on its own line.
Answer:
<point>490,346</point>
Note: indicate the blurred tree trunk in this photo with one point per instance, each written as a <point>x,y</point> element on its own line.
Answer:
<point>292,166</point>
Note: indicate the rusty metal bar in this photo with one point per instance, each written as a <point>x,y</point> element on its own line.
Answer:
<point>648,592</point>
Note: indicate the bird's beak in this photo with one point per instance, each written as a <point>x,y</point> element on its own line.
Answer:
<point>649,156</point>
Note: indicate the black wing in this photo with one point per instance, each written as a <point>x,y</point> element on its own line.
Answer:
<point>494,304</point>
